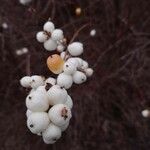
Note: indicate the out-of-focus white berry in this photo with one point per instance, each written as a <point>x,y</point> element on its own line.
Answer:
<point>57,35</point>
<point>69,102</point>
<point>50,45</point>
<point>79,77</point>
<point>28,113</point>
<point>57,95</point>
<point>25,2</point>
<point>41,37</point>
<point>60,114</point>
<point>62,55</point>
<point>75,48</point>
<point>37,81</point>
<point>70,67</point>
<point>38,121</point>
<point>51,134</point>
<point>4,25</point>
<point>93,32</point>
<point>50,80</point>
<point>26,81</point>
<point>64,80</point>
<point>49,27</point>
<point>89,72</point>
<point>146,113</point>
<point>85,65</point>
<point>60,48</point>
<point>64,127</point>
<point>37,101</point>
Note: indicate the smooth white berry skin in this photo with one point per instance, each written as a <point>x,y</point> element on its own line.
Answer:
<point>89,72</point>
<point>57,35</point>
<point>69,102</point>
<point>50,45</point>
<point>70,67</point>
<point>51,134</point>
<point>56,116</point>
<point>26,81</point>
<point>41,37</point>
<point>62,55</point>
<point>57,95</point>
<point>50,80</point>
<point>60,48</point>
<point>38,121</point>
<point>80,62</point>
<point>64,80</point>
<point>64,127</point>
<point>93,32</point>
<point>37,81</point>
<point>28,113</point>
<point>79,77</point>
<point>49,27</point>
<point>145,113</point>
<point>75,48</point>
<point>85,65</point>
<point>37,101</point>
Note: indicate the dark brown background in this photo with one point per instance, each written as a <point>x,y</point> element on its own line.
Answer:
<point>107,108</point>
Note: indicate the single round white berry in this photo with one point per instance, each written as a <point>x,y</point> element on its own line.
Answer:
<point>60,114</point>
<point>41,36</point>
<point>57,95</point>
<point>50,80</point>
<point>37,101</point>
<point>57,35</point>
<point>93,32</point>
<point>64,80</point>
<point>37,81</point>
<point>28,113</point>
<point>37,122</point>
<point>50,45</point>
<point>79,77</point>
<point>49,27</point>
<point>25,2</point>
<point>69,102</point>
<point>89,72</point>
<point>64,127</point>
<point>26,81</point>
<point>60,48</point>
<point>75,48</point>
<point>70,67</point>
<point>85,65</point>
<point>146,113</point>
<point>51,134</point>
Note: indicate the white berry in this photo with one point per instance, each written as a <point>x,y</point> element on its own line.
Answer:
<point>57,35</point>
<point>75,48</point>
<point>69,102</point>
<point>70,67</point>
<point>49,27</point>
<point>64,80</point>
<point>51,134</point>
<point>85,65</point>
<point>37,81</point>
<point>62,55</point>
<point>50,80</point>
<point>41,36</point>
<point>57,95</point>
<point>60,114</point>
<point>89,72</point>
<point>50,45</point>
<point>93,32</point>
<point>60,48</point>
<point>26,81</point>
<point>37,122</point>
<point>79,77</point>
<point>145,113</point>
<point>37,101</point>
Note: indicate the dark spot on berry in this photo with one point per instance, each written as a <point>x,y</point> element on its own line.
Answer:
<point>33,80</point>
<point>48,86</point>
<point>62,87</point>
<point>64,113</point>
<point>54,139</point>
<point>67,65</point>
<point>30,97</point>
<point>31,125</point>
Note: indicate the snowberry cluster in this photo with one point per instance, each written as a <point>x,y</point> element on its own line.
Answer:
<point>48,103</point>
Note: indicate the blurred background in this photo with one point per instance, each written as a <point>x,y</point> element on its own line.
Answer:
<point>107,108</point>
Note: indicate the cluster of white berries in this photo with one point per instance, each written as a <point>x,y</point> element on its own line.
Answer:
<point>48,103</point>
